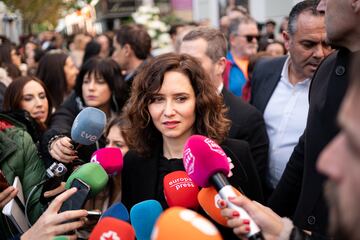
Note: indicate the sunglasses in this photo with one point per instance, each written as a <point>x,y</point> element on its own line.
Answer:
<point>250,38</point>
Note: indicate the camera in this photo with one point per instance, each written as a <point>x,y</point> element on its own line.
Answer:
<point>56,170</point>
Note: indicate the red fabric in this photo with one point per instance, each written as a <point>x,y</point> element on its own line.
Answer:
<point>5,125</point>
<point>246,92</point>
<point>226,74</point>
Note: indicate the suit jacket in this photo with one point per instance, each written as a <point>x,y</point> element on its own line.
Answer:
<point>266,76</point>
<point>248,124</point>
<point>300,190</point>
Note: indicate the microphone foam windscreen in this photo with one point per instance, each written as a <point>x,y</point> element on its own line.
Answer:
<point>118,211</point>
<point>143,216</point>
<point>88,126</point>
<point>112,228</point>
<point>110,159</point>
<point>202,158</point>
<point>92,174</point>
<point>208,199</point>
<point>180,190</point>
<point>179,223</point>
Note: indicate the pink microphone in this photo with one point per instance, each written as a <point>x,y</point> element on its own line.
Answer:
<point>110,159</point>
<point>206,164</point>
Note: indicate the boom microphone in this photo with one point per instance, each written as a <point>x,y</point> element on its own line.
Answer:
<point>206,164</point>
<point>110,159</point>
<point>143,216</point>
<point>180,190</point>
<point>112,228</point>
<point>88,126</point>
<point>178,223</point>
<point>208,199</point>
<point>118,211</point>
<point>92,174</point>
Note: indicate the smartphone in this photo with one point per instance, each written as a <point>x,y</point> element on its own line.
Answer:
<point>76,201</point>
<point>3,182</point>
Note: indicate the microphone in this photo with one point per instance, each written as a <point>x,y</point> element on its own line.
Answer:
<point>208,199</point>
<point>118,211</point>
<point>112,228</point>
<point>110,159</point>
<point>206,164</point>
<point>92,174</point>
<point>88,126</point>
<point>179,223</point>
<point>54,176</point>
<point>143,216</point>
<point>180,190</point>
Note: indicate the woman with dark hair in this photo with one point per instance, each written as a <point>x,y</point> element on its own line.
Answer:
<point>99,84</point>
<point>57,70</point>
<point>92,49</point>
<point>173,98</point>
<point>27,100</point>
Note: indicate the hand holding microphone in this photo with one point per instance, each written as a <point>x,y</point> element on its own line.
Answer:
<point>270,223</point>
<point>87,128</point>
<point>207,164</point>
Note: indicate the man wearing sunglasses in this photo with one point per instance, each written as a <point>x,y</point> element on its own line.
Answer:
<point>243,41</point>
<point>280,86</point>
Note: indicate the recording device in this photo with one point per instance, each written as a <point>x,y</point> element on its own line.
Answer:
<point>112,228</point>
<point>88,126</point>
<point>143,216</point>
<point>118,211</point>
<point>92,174</point>
<point>180,190</point>
<point>206,164</point>
<point>54,175</point>
<point>111,159</point>
<point>208,200</point>
<point>78,199</point>
<point>179,223</point>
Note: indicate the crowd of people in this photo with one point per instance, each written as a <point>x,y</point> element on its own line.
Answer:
<point>283,107</point>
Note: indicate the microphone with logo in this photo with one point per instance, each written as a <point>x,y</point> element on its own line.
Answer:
<point>118,211</point>
<point>179,223</point>
<point>208,199</point>
<point>89,179</point>
<point>112,228</point>
<point>180,190</point>
<point>206,164</point>
<point>111,159</point>
<point>88,126</point>
<point>143,216</point>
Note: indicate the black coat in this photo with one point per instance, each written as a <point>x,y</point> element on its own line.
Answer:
<point>300,190</point>
<point>248,124</point>
<point>140,177</point>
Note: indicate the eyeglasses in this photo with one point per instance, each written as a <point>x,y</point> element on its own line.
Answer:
<point>249,38</point>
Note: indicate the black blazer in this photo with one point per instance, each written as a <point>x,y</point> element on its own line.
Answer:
<point>300,190</point>
<point>248,124</point>
<point>140,175</point>
<point>266,76</point>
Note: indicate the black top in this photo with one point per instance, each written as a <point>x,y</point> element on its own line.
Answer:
<point>166,166</point>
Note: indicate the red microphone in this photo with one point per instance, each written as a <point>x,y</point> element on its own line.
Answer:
<point>112,228</point>
<point>206,164</point>
<point>111,159</point>
<point>208,199</point>
<point>178,223</point>
<point>180,190</point>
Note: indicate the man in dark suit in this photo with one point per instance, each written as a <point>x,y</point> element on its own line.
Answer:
<point>209,47</point>
<point>280,86</point>
<point>300,191</point>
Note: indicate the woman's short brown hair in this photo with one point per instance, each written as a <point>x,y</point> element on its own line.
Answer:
<point>141,134</point>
